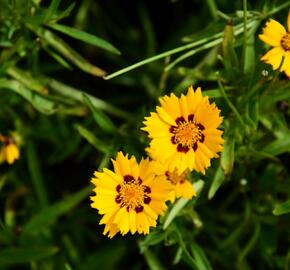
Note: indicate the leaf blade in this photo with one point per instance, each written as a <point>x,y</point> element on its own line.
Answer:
<point>85,37</point>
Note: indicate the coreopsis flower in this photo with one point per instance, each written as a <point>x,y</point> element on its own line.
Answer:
<point>131,197</point>
<point>9,150</point>
<point>181,186</point>
<point>184,132</point>
<point>275,35</point>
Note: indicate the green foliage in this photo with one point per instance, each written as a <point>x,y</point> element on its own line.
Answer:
<point>72,100</point>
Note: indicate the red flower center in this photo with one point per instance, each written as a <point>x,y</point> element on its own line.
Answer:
<point>186,134</point>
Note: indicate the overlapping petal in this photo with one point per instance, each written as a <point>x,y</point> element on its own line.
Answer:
<point>131,197</point>
<point>183,132</point>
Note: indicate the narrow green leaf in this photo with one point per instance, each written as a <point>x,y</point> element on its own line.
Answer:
<point>85,37</point>
<point>38,101</point>
<point>27,80</point>
<point>102,120</point>
<point>281,209</point>
<point>58,58</point>
<point>251,243</point>
<point>249,57</point>
<point>13,256</point>
<point>178,206</point>
<point>52,9</point>
<point>230,58</point>
<point>36,176</point>
<point>216,183</point>
<point>278,146</point>
<point>77,94</point>
<point>252,109</point>
<point>66,12</point>
<point>93,140</point>
<point>200,258</point>
<point>152,260</point>
<point>151,239</point>
<point>228,155</point>
<point>66,51</point>
<point>48,215</point>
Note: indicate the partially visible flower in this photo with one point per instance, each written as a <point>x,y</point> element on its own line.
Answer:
<point>131,197</point>
<point>181,186</point>
<point>9,150</point>
<point>184,132</point>
<point>275,35</point>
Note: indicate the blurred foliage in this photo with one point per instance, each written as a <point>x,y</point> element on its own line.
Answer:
<point>72,112</point>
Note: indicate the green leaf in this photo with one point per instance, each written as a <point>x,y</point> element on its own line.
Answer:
<point>85,37</point>
<point>230,58</point>
<point>252,112</point>
<point>102,120</point>
<point>93,140</point>
<point>178,206</point>
<point>200,258</point>
<point>228,155</point>
<point>249,57</point>
<point>33,162</point>
<point>251,243</point>
<point>152,260</point>
<point>278,146</point>
<point>13,256</point>
<point>49,215</point>
<point>216,183</point>
<point>38,101</point>
<point>52,9</point>
<point>58,58</point>
<point>281,209</point>
<point>151,239</point>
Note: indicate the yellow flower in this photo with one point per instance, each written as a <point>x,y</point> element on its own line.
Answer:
<point>184,132</point>
<point>181,186</point>
<point>131,197</point>
<point>9,151</point>
<point>275,35</point>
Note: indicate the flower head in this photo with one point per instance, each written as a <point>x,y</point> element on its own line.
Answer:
<point>9,150</point>
<point>275,35</point>
<point>131,197</point>
<point>184,132</point>
<point>181,186</point>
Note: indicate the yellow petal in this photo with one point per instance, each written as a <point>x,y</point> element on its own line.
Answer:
<point>273,57</point>
<point>273,33</point>
<point>12,153</point>
<point>286,64</point>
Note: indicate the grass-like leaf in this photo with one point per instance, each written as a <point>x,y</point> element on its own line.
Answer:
<point>85,37</point>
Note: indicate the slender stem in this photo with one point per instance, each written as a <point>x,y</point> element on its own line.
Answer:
<point>230,104</point>
<point>212,8</point>
<point>192,52</point>
<point>238,30</point>
<point>245,32</point>
<point>277,9</point>
<point>156,57</point>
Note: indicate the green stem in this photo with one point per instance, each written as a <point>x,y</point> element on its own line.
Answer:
<point>230,104</point>
<point>237,30</point>
<point>212,8</point>
<point>245,32</point>
<point>277,9</point>
<point>192,52</point>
